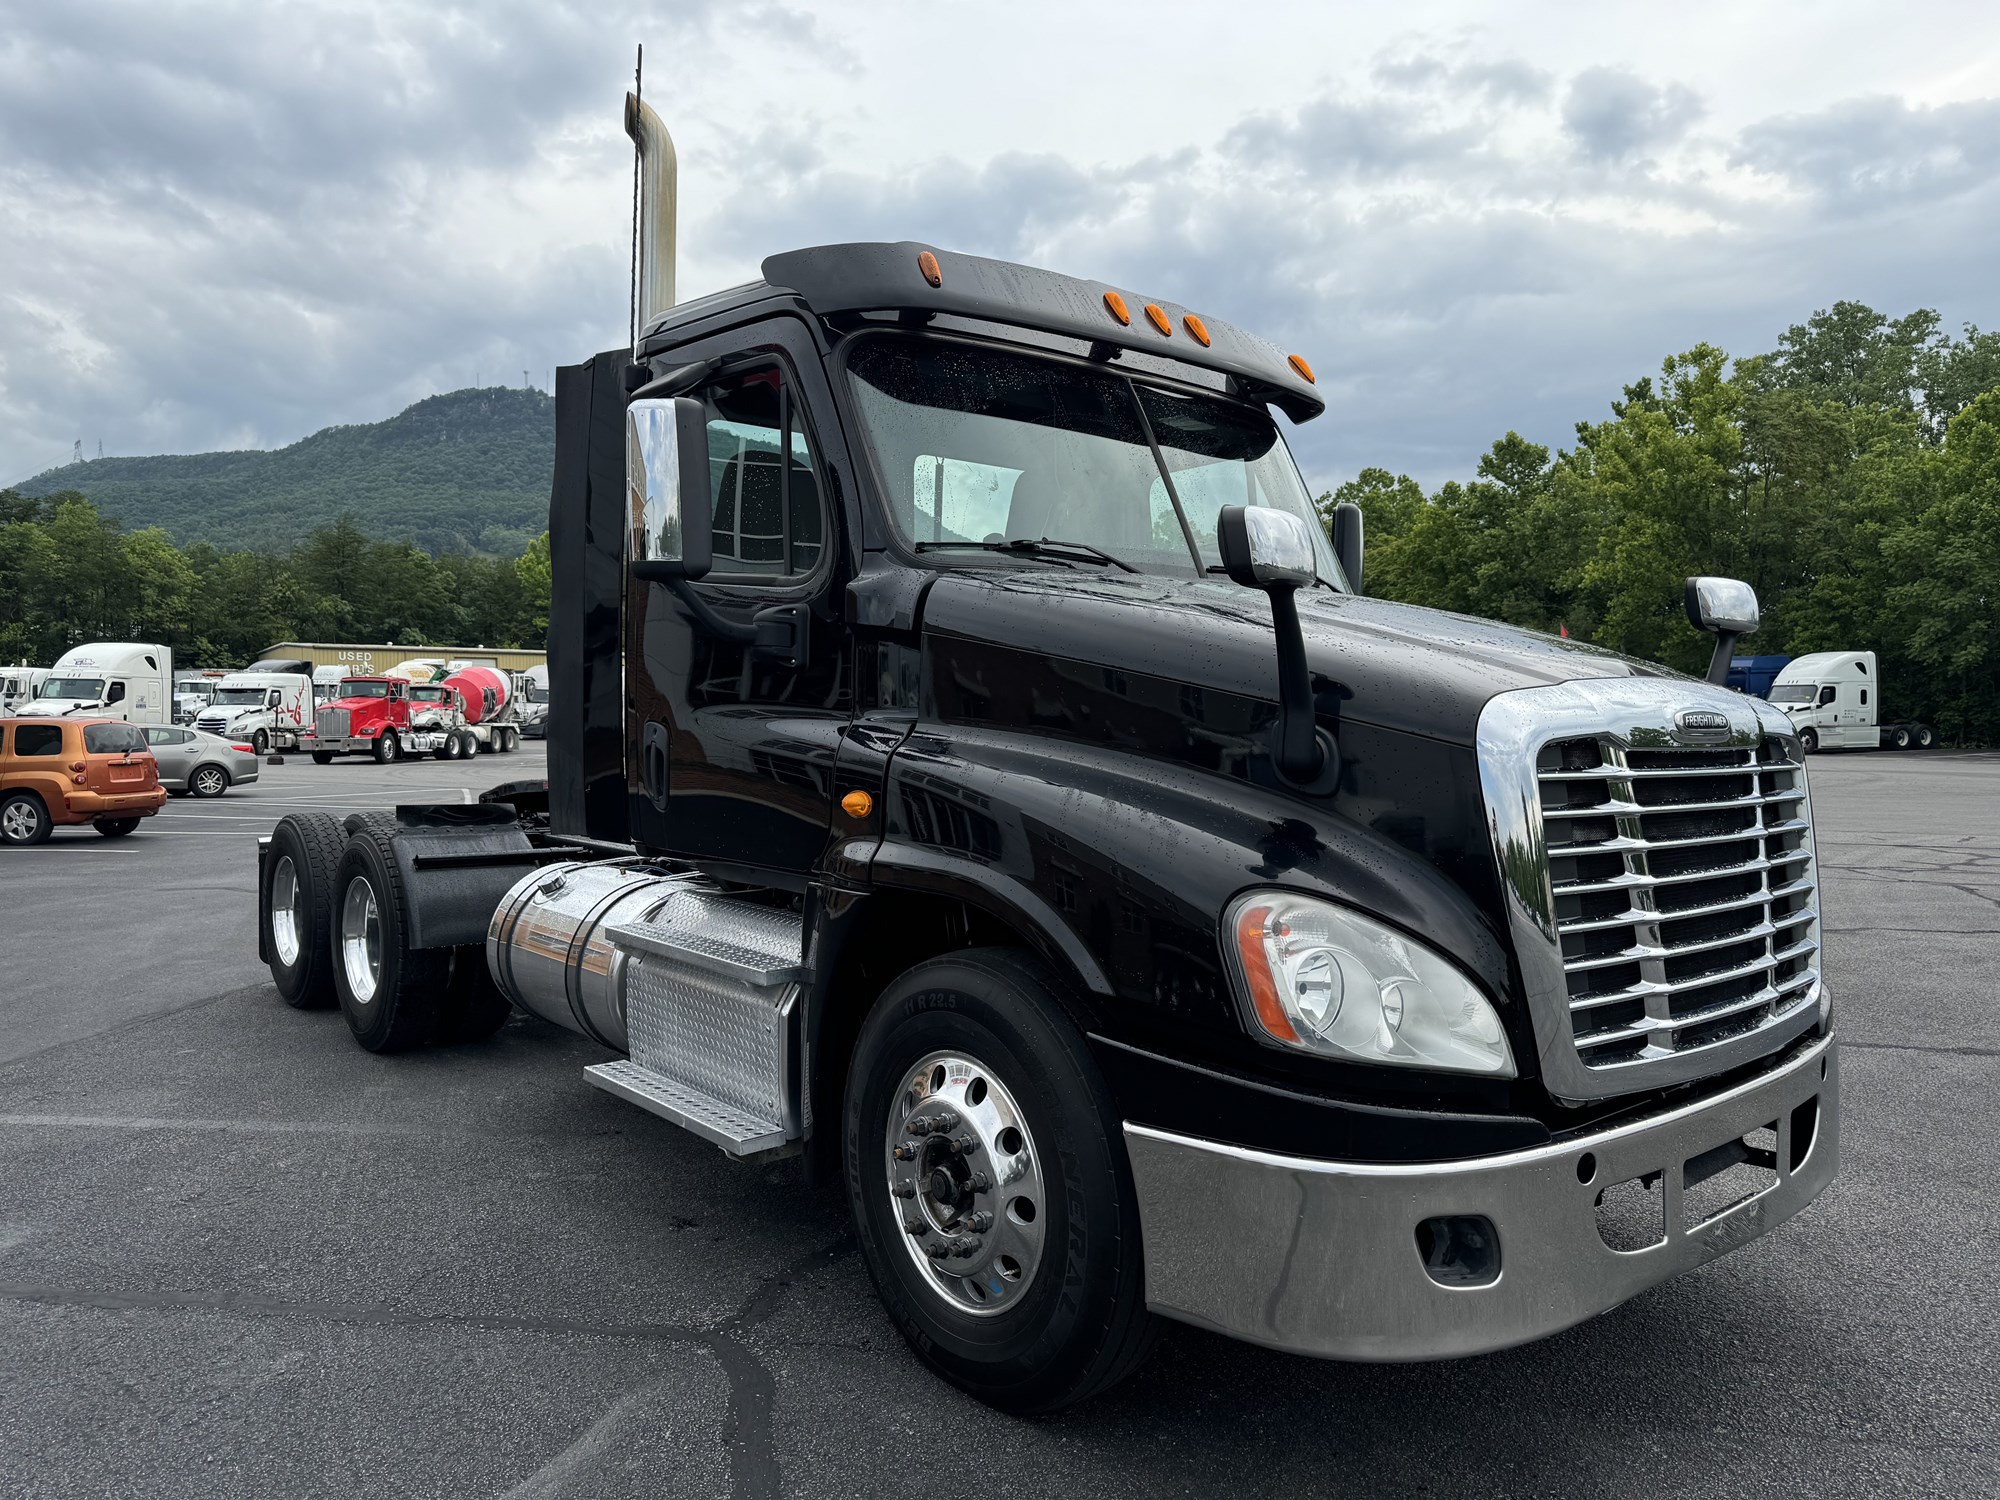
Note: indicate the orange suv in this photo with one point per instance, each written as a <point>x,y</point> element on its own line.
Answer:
<point>95,771</point>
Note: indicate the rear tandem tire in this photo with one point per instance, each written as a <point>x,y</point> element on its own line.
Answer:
<point>390,992</point>
<point>1926,737</point>
<point>311,842</point>
<point>1080,1324</point>
<point>474,1007</point>
<point>1899,737</point>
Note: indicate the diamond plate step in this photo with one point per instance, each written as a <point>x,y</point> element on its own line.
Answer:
<point>736,1132</point>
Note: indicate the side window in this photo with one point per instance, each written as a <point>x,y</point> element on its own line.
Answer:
<point>1826,695</point>
<point>116,693</point>
<point>768,521</point>
<point>38,739</point>
<point>162,736</point>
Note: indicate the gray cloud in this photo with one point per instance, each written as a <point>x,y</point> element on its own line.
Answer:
<point>1611,114</point>
<point>231,232</point>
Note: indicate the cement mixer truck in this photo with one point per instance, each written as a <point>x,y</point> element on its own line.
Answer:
<point>473,708</point>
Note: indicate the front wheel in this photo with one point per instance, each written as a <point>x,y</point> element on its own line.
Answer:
<point>23,820</point>
<point>990,1188</point>
<point>1809,740</point>
<point>388,749</point>
<point>322,757</point>
<point>261,742</point>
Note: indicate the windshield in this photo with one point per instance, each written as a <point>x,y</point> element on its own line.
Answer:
<point>91,688</point>
<point>1793,692</point>
<point>538,695</point>
<point>364,690</point>
<point>228,697</point>
<point>983,445</point>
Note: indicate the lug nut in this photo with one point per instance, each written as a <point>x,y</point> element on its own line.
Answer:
<point>914,1226</point>
<point>964,1244</point>
<point>979,1182</point>
<point>979,1222</point>
<point>936,1251</point>
<point>964,1145</point>
<point>904,1153</point>
<point>902,1190</point>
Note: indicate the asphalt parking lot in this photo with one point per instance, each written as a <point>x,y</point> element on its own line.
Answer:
<point>240,1256</point>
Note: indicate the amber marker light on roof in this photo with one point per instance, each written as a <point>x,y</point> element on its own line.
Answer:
<point>1116,304</point>
<point>1197,330</point>
<point>927,263</point>
<point>1159,320</point>
<point>1305,370</point>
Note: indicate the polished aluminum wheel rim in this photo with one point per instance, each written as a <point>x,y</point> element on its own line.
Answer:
<point>965,1180</point>
<point>19,821</point>
<point>208,781</point>
<point>285,911</point>
<point>361,940</point>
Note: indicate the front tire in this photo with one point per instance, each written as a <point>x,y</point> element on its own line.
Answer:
<point>1013,1268</point>
<point>1809,741</point>
<point>24,821</point>
<point>208,781</point>
<point>298,907</point>
<point>261,742</point>
<point>322,757</point>
<point>390,992</point>
<point>388,749</point>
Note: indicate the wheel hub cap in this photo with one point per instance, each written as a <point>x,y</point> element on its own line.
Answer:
<point>361,940</point>
<point>965,1179</point>
<point>285,911</point>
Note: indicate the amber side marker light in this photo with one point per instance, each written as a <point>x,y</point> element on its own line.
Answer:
<point>1305,370</point>
<point>927,263</point>
<point>1116,304</point>
<point>1159,320</point>
<point>1257,971</point>
<point>857,804</point>
<point>1197,330</point>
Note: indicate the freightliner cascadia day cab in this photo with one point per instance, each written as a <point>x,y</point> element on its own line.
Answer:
<point>1833,699</point>
<point>974,771</point>
<point>126,680</point>
<point>268,705</point>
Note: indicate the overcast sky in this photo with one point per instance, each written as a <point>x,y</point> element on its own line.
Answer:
<point>230,225</point>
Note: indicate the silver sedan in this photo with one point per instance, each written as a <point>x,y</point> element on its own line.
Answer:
<point>192,760</point>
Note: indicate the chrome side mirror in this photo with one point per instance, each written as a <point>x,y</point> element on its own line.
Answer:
<point>1725,607</point>
<point>668,514</point>
<point>1262,547</point>
<point>1272,550</point>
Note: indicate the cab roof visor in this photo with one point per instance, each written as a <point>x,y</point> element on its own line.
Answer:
<point>865,278</point>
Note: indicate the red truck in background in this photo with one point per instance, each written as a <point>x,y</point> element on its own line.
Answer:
<point>369,714</point>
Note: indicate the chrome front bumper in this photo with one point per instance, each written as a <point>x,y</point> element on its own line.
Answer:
<point>1321,1257</point>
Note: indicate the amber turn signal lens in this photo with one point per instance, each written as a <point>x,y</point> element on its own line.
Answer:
<point>1159,320</point>
<point>1117,305</point>
<point>857,804</point>
<point>1197,330</point>
<point>927,263</point>
<point>1257,971</point>
<point>1305,370</point>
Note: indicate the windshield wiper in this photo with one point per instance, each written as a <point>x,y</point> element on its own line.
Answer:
<point>1044,547</point>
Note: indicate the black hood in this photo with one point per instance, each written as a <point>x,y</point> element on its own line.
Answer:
<point>1420,671</point>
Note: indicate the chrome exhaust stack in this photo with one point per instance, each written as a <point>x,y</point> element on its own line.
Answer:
<point>659,177</point>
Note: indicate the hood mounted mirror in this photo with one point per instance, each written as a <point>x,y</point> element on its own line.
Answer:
<point>1272,550</point>
<point>1727,608</point>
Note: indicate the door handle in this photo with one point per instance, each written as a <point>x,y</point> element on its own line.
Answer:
<point>654,768</point>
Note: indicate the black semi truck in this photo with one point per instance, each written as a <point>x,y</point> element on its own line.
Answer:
<point>975,771</point>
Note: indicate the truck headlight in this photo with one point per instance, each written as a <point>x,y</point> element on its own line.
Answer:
<point>1327,980</point>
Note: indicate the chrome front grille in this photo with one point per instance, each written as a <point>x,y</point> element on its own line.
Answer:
<point>1658,877</point>
<point>331,723</point>
<point>1684,892</point>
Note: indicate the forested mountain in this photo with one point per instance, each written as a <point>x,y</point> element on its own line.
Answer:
<point>467,471</point>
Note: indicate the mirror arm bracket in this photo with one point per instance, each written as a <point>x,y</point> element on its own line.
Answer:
<point>778,632</point>
<point>1725,653</point>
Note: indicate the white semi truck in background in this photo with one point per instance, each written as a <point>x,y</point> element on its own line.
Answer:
<point>1833,699</point>
<point>130,680</point>
<point>268,705</point>
<point>18,685</point>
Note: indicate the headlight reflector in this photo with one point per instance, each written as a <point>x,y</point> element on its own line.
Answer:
<point>1328,980</point>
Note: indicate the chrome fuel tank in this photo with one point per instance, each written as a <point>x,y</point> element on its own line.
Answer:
<point>547,946</point>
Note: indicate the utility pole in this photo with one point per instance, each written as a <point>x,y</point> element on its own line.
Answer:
<point>76,453</point>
